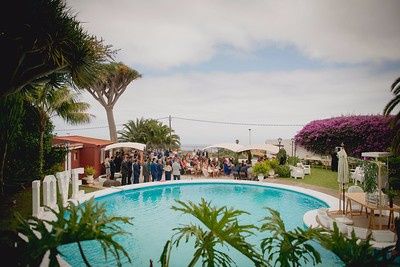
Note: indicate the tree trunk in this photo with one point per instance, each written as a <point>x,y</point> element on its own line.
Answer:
<point>3,161</point>
<point>42,128</point>
<point>111,124</point>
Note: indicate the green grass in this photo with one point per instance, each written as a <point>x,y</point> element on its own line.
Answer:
<point>319,177</point>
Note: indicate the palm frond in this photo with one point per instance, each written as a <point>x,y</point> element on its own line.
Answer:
<point>223,229</point>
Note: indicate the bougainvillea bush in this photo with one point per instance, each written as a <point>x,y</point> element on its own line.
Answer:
<point>358,133</point>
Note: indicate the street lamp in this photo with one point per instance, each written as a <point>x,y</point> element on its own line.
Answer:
<point>292,146</point>
<point>279,143</point>
<point>249,136</point>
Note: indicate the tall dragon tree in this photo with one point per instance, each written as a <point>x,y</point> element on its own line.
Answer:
<point>111,84</point>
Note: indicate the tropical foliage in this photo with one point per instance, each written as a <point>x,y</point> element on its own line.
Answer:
<point>50,101</point>
<point>393,103</point>
<point>358,133</point>
<point>21,162</point>
<point>43,37</point>
<point>288,248</point>
<point>11,110</point>
<point>280,247</point>
<point>351,250</point>
<point>150,132</point>
<point>109,86</point>
<point>73,224</point>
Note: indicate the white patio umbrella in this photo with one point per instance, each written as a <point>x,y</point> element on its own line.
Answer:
<point>343,175</point>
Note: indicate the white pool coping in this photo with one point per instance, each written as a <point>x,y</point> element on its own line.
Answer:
<point>309,217</point>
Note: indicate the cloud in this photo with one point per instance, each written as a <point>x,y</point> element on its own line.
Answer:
<point>294,97</point>
<point>164,34</point>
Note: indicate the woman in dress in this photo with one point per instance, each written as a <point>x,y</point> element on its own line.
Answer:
<point>168,171</point>
<point>107,167</point>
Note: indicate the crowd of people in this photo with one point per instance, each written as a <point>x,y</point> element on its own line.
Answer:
<point>160,165</point>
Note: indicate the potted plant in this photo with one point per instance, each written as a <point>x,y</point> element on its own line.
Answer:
<point>260,169</point>
<point>273,165</point>
<point>89,172</point>
<point>370,184</point>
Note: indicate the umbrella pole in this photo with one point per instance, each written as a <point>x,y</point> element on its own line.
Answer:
<point>344,198</point>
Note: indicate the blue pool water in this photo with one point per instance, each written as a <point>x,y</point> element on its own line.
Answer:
<point>154,220</point>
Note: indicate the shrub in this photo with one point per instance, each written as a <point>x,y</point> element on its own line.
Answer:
<point>261,167</point>
<point>273,163</point>
<point>281,156</point>
<point>358,133</point>
<point>283,171</point>
<point>293,161</point>
<point>89,170</point>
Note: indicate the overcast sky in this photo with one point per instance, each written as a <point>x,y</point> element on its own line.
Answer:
<point>284,62</point>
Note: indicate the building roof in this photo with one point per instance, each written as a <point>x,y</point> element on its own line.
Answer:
<point>82,140</point>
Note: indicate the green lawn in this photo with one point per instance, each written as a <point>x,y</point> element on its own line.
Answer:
<point>321,177</point>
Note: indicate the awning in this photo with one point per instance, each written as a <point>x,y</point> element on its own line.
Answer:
<point>138,146</point>
<point>229,146</point>
<point>268,148</point>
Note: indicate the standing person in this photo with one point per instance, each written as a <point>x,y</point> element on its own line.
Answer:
<point>160,169</point>
<point>112,168</point>
<point>107,167</point>
<point>146,171</point>
<point>118,161</point>
<point>136,171</point>
<point>124,170</point>
<point>154,170</point>
<point>168,171</point>
<point>129,170</point>
<point>176,170</point>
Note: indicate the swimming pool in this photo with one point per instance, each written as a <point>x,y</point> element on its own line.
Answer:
<point>154,220</point>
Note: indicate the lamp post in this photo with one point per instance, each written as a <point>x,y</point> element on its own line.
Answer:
<point>279,143</point>
<point>292,146</point>
<point>249,136</point>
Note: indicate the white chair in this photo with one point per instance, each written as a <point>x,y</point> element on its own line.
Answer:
<point>296,172</point>
<point>357,175</point>
<point>383,236</point>
<point>341,226</point>
<point>306,168</point>
<point>325,221</point>
<point>360,233</point>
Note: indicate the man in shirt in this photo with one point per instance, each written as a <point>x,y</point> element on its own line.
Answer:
<point>176,170</point>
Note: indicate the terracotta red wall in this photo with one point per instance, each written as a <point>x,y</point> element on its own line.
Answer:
<point>75,162</point>
<point>90,155</point>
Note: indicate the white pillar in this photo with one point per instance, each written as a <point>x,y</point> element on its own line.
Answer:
<point>50,191</point>
<point>76,193</point>
<point>36,209</point>
<point>63,185</point>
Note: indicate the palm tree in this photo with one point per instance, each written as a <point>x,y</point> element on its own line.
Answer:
<point>395,88</point>
<point>42,37</point>
<point>110,85</point>
<point>51,101</point>
<point>150,132</point>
